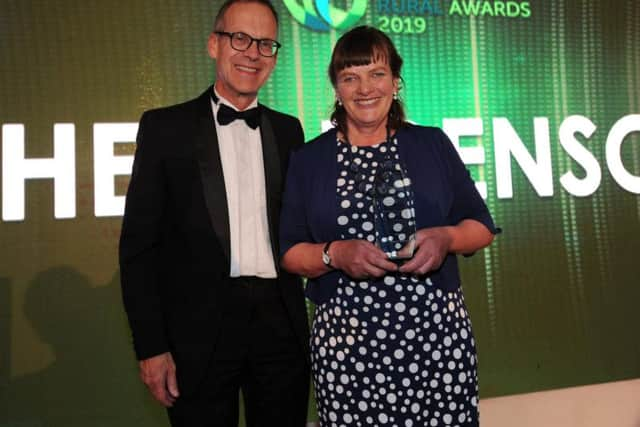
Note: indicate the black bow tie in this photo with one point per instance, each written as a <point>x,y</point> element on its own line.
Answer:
<point>227,114</point>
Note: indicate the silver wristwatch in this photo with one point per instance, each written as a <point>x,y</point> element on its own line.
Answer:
<point>326,259</point>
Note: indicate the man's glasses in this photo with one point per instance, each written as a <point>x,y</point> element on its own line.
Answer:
<point>242,41</point>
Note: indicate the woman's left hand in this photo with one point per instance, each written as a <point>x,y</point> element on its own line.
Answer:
<point>432,247</point>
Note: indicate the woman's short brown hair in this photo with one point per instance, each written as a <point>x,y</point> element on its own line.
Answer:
<point>361,46</point>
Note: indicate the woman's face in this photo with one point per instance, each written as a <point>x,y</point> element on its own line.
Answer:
<point>366,92</point>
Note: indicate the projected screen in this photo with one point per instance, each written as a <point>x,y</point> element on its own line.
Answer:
<point>541,98</point>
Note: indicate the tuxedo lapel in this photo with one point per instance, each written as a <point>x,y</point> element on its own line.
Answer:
<point>272,178</point>
<point>208,154</point>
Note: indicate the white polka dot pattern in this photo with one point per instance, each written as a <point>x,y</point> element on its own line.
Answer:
<point>392,352</point>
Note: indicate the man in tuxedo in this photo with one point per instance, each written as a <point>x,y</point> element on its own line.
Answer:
<point>210,310</point>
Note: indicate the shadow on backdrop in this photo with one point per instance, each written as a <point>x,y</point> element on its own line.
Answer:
<point>5,328</point>
<point>93,380</point>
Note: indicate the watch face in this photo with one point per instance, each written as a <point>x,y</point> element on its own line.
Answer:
<point>325,258</point>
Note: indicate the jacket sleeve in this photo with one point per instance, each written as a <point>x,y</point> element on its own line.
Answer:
<point>139,244</point>
<point>467,202</point>
<point>294,226</point>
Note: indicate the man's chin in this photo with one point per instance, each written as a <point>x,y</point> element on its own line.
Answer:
<point>249,85</point>
<point>235,93</point>
<point>247,88</point>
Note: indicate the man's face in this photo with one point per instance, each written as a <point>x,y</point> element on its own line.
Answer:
<point>240,74</point>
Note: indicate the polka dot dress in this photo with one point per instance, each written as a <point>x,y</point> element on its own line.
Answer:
<point>396,351</point>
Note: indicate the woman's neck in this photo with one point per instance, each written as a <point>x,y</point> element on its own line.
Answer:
<point>365,136</point>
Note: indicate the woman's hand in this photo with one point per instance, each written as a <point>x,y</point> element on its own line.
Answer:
<point>360,259</point>
<point>433,245</point>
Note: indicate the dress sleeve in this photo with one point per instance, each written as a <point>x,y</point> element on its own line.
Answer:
<point>467,202</point>
<point>294,226</point>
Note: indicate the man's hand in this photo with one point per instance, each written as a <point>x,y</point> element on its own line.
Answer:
<point>360,259</point>
<point>159,375</point>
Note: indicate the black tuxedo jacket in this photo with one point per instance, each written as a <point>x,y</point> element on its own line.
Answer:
<point>174,246</point>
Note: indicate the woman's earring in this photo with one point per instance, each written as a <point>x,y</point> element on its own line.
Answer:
<point>339,101</point>
<point>395,96</point>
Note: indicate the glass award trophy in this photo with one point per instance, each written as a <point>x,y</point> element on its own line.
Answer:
<point>394,214</point>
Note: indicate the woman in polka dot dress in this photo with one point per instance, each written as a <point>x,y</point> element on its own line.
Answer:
<point>391,343</point>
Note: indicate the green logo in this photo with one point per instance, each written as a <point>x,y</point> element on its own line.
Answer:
<point>320,15</point>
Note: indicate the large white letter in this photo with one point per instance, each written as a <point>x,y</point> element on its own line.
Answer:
<point>618,132</point>
<point>455,128</point>
<point>16,169</point>
<point>106,165</point>
<point>507,143</point>
<point>593,174</point>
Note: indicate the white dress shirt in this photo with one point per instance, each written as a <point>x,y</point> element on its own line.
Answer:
<point>243,168</point>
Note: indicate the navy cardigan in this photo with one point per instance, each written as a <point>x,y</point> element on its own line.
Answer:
<point>444,194</point>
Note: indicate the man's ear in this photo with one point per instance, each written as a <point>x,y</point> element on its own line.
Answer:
<point>212,45</point>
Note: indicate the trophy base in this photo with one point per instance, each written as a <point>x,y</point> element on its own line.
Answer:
<point>400,261</point>
<point>404,254</point>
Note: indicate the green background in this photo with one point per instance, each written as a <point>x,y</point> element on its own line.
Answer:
<point>553,300</point>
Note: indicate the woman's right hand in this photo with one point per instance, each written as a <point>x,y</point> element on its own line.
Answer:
<point>360,259</point>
